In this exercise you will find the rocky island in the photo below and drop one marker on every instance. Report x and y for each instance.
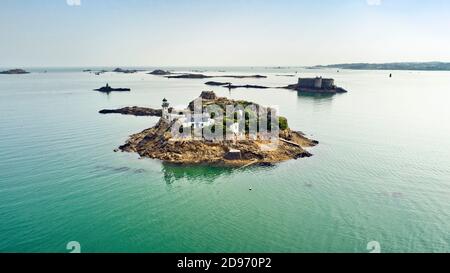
(214, 83)
(316, 85)
(202, 76)
(229, 85)
(180, 137)
(135, 111)
(109, 89)
(14, 72)
(160, 72)
(125, 71)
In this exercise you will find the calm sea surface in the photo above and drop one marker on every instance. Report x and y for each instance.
(381, 171)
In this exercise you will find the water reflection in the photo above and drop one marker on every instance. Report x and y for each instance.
(174, 172)
(204, 173)
(317, 96)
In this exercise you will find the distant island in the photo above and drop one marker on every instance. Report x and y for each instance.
(180, 146)
(232, 86)
(160, 72)
(202, 76)
(109, 89)
(14, 72)
(420, 66)
(126, 71)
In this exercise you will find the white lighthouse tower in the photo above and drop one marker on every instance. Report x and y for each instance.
(165, 110)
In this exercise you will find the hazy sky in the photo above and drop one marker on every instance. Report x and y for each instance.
(221, 32)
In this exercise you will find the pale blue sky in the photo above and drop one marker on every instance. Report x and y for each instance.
(221, 32)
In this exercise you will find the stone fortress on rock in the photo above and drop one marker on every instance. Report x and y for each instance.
(317, 85)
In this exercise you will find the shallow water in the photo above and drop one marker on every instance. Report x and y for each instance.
(381, 171)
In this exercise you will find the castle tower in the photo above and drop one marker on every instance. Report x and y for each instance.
(165, 110)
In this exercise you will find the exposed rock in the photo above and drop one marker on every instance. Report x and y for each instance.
(155, 143)
(14, 72)
(160, 72)
(108, 89)
(231, 86)
(244, 77)
(213, 83)
(98, 72)
(135, 111)
(189, 76)
(208, 95)
(285, 75)
(126, 71)
(316, 85)
(202, 76)
(332, 90)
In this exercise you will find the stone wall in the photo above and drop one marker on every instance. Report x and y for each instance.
(316, 83)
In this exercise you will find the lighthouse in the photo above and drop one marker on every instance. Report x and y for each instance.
(165, 110)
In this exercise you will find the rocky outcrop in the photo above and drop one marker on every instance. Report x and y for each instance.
(158, 143)
(189, 76)
(232, 86)
(208, 95)
(109, 89)
(252, 86)
(333, 90)
(202, 76)
(160, 72)
(135, 111)
(245, 77)
(213, 83)
(14, 72)
(289, 75)
(316, 85)
(126, 71)
(96, 72)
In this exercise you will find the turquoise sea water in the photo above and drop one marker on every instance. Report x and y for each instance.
(381, 171)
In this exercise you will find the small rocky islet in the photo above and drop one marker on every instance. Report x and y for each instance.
(14, 72)
(134, 111)
(229, 85)
(202, 76)
(126, 71)
(160, 72)
(316, 85)
(158, 142)
(108, 89)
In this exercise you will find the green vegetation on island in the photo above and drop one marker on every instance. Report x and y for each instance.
(421, 66)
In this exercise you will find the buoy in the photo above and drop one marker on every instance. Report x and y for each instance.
(250, 189)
